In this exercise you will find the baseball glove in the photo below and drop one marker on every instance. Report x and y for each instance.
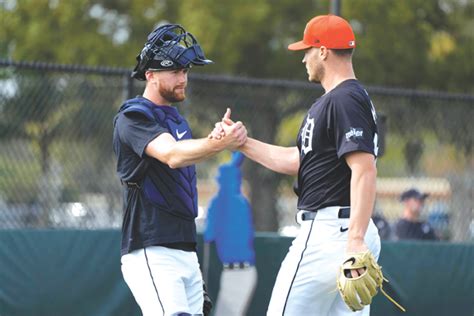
(207, 306)
(359, 291)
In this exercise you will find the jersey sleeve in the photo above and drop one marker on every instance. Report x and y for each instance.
(353, 126)
(137, 131)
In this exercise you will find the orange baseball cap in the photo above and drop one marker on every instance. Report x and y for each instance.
(329, 30)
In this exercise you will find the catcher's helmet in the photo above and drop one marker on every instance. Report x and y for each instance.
(169, 47)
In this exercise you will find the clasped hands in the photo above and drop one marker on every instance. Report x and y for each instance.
(232, 134)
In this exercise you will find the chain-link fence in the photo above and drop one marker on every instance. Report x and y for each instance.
(57, 167)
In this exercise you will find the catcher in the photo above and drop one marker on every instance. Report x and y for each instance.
(156, 157)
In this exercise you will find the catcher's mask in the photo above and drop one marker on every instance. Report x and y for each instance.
(169, 47)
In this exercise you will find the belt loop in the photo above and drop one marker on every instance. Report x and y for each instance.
(344, 212)
(308, 215)
(300, 217)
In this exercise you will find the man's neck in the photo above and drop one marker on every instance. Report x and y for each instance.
(155, 97)
(337, 74)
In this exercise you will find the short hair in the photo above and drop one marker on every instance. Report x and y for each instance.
(343, 52)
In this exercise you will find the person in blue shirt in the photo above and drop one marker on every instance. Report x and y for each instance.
(230, 226)
(156, 157)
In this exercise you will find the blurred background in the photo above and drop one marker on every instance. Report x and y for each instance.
(64, 72)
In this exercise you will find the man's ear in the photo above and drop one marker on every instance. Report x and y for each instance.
(323, 52)
(150, 76)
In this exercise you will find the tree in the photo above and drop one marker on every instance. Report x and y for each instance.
(412, 44)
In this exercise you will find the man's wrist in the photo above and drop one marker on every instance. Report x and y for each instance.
(355, 238)
(215, 145)
(356, 245)
(245, 146)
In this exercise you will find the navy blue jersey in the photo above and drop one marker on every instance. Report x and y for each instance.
(405, 229)
(160, 203)
(339, 122)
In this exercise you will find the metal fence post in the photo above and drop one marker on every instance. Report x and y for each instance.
(128, 87)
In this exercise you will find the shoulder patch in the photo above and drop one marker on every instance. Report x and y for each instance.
(354, 133)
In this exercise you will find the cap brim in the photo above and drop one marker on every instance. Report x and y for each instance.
(298, 46)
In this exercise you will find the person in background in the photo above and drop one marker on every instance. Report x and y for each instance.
(230, 226)
(410, 226)
(383, 226)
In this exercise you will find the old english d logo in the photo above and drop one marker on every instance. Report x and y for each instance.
(307, 136)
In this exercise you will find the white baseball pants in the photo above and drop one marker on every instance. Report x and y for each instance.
(236, 291)
(306, 282)
(164, 281)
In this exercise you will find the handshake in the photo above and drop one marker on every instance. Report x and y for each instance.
(229, 134)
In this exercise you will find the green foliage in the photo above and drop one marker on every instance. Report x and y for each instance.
(408, 43)
(19, 174)
(59, 110)
(91, 32)
(248, 37)
(415, 44)
(289, 129)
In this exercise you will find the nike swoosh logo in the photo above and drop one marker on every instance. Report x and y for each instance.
(343, 229)
(180, 135)
(352, 260)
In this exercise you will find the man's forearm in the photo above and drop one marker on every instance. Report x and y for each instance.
(182, 153)
(279, 159)
(191, 151)
(362, 201)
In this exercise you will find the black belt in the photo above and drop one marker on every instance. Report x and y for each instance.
(344, 212)
(236, 265)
